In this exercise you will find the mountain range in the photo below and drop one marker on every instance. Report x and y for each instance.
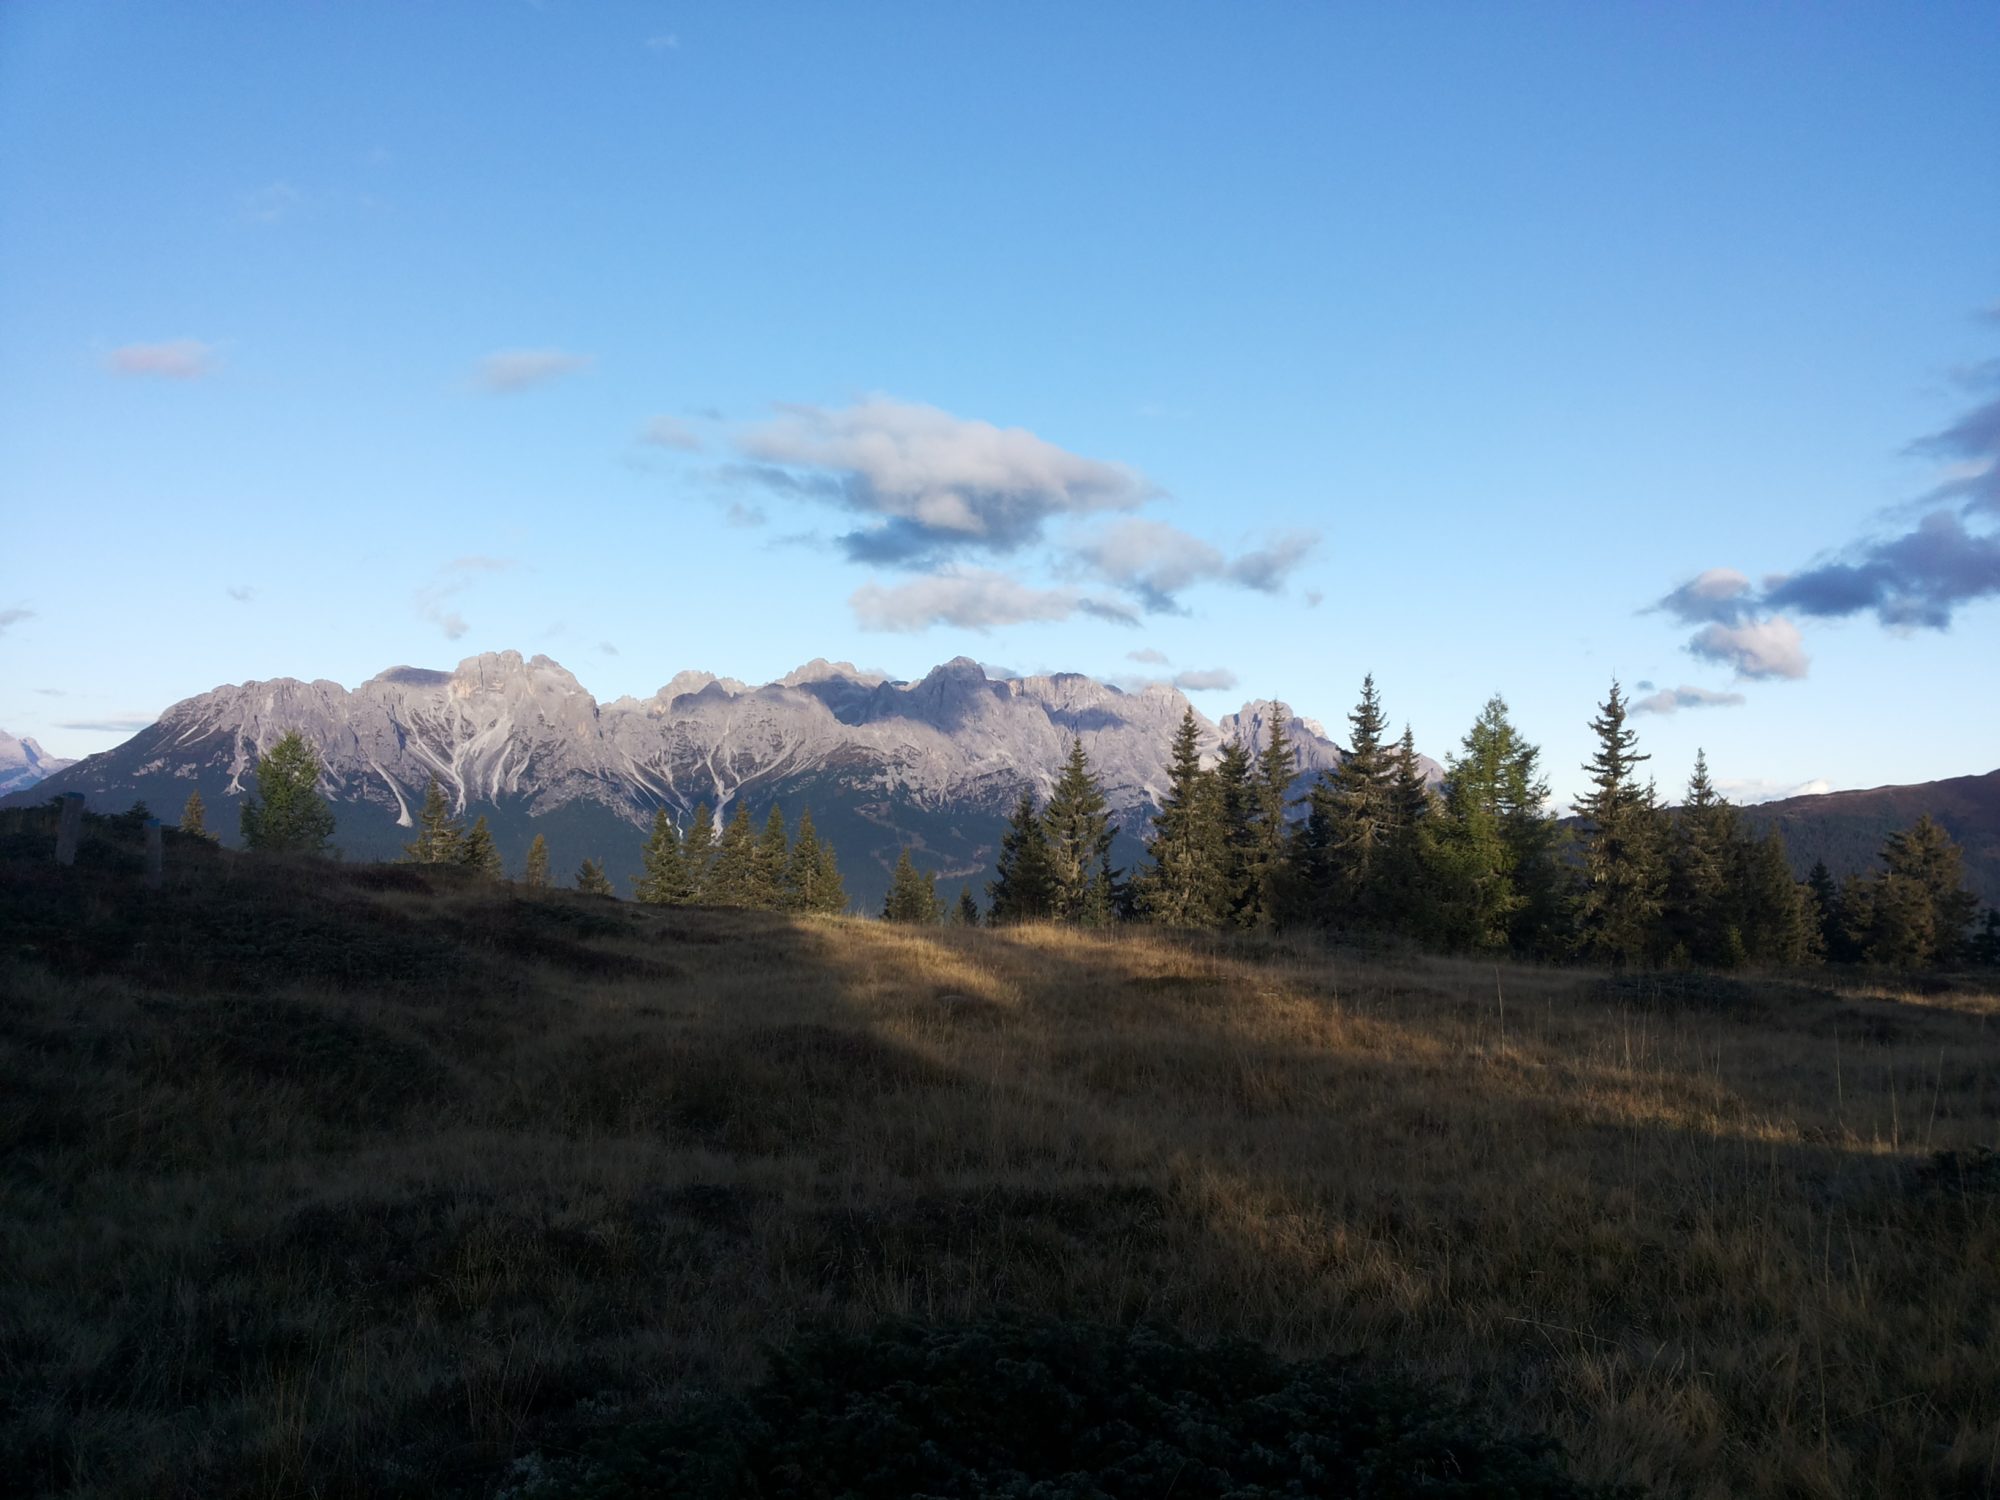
(23, 763)
(933, 764)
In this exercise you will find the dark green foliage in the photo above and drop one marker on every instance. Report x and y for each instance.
(592, 881)
(1497, 842)
(663, 877)
(1082, 886)
(967, 914)
(1775, 912)
(1184, 885)
(1916, 911)
(912, 894)
(1984, 948)
(194, 817)
(1043, 1410)
(1349, 821)
(1829, 913)
(535, 873)
(1703, 897)
(286, 814)
(698, 852)
(476, 852)
(812, 883)
(730, 877)
(1235, 818)
(770, 860)
(1618, 906)
(439, 834)
(1024, 887)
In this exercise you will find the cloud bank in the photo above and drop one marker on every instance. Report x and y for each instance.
(1673, 700)
(973, 599)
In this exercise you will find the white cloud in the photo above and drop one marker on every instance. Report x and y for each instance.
(1672, 700)
(1719, 594)
(509, 370)
(1148, 655)
(970, 599)
(1757, 649)
(935, 484)
(1157, 562)
(1205, 680)
(176, 359)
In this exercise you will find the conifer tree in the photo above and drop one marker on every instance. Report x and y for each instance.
(1774, 911)
(770, 861)
(1618, 907)
(1349, 820)
(1267, 884)
(1407, 895)
(812, 882)
(1829, 913)
(535, 874)
(1023, 889)
(968, 909)
(477, 852)
(1078, 824)
(1984, 948)
(662, 879)
(1497, 863)
(592, 881)
(731, 877)
(439, 834)
(698, 854)
(1709, 872)
(1235, 813)
(1915, 913)
(286, 814)
(1182, 885)
(912, 894)
(194, 817)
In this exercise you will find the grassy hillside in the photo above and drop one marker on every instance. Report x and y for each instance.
(328, 1180)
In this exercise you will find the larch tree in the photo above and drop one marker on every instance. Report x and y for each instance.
(698, 853)
(592, 881)
(286, 814)
(968, 909)
(535, 873)
(731, 877)
(194, 817)
(662, 879)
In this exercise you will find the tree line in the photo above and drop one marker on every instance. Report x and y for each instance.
(1478, 863)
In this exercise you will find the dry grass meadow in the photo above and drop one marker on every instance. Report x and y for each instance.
(446, 1175)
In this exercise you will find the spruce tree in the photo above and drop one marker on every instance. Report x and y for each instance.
(698, 853)
(1618, 906)
(535, 874)
(662, 879)
(912, 894)
(1078, 824)
(1773, 911)
(769, 863)
(1916, 912)
(286, 814)
(1710, 871)
(968, 909)
(731, 878)
(439, 834)
(1984, 948)
(1023, 889)
(1235, 812)
(1406, 884)
(1499, 874)
(1829, 913)
(811, 881)
(592, 881)
(1350, 816)
(194, 817)
(477, 852)
(1266, 879)
(1182, 885)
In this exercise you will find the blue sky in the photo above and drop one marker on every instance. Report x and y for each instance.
(1281, 342)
